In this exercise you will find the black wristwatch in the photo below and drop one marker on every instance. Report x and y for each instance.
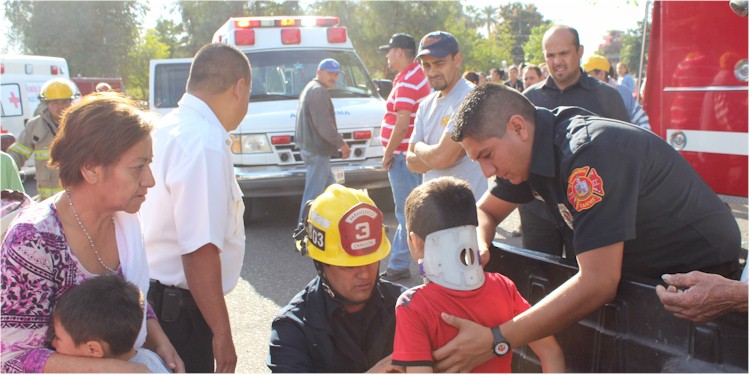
(500, 346)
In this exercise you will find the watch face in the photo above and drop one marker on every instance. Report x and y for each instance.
(501, 348)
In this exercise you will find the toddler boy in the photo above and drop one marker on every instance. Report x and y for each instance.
(441, 219)
(101, 318)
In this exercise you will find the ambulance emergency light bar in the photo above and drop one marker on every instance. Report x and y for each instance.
(290, 33)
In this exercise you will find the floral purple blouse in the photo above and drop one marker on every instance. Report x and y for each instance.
(37, 268)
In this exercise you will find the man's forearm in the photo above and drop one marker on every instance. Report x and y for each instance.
(203, 274)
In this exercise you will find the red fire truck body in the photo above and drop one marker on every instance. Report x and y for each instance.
(696, 92)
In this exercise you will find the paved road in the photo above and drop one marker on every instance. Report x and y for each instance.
(273, 272)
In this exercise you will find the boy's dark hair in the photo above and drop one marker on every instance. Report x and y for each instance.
(438, 204)
(486, 110)
(106, 308)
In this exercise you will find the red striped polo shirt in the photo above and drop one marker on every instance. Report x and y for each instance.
(409, 88)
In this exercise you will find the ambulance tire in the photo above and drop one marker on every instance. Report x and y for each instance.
(383, 198)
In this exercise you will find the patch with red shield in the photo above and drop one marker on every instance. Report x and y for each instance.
(585, 188)
(361, 230)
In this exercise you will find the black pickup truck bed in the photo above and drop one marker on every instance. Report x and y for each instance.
(633, 333)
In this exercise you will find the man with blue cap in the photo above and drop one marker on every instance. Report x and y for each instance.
(316, 133)
(431, 149)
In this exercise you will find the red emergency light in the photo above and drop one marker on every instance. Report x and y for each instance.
(2, 68)
(54, 70)
(362, 135)
(246, 24)
(281, 139)
(337, 35)
(291, 36)
(244, 37)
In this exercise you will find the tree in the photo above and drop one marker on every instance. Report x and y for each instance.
(611, 46)
(92, 36)
(489, 18)
(200, 19)
(631, 47)
(521, 18)
(533, 48)
(136, 73)
(172, 36)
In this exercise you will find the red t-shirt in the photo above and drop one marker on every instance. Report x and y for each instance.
(420, 330)
(409, 88)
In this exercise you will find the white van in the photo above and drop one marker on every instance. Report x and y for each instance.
(284, 54)
(21, 78)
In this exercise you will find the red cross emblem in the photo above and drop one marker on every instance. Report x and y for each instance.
(14, 99)
(585, 188)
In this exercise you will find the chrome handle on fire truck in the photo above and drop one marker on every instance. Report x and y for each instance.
(740, 69)
(739, 7)
(678, 140)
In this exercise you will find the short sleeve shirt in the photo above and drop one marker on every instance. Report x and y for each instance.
(435, 117)
(196, 199)
(605, 182)
(410, 87)
(420, 330)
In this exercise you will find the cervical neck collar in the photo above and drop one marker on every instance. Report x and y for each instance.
(451, 258)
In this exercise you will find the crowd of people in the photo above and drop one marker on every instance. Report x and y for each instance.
(98, 278)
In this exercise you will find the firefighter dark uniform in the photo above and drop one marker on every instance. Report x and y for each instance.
(323, 329)
(35, 139)
(606, 181)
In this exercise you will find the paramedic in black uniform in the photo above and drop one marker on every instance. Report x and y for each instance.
(630, 204)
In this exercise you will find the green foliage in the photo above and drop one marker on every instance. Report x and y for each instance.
(631, 47)
(200, 19)
(136, 73)
(92, 36)
(532, 49)
(521, 20)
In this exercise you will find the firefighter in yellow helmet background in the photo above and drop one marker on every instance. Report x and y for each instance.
(344, 320)
(57, 95)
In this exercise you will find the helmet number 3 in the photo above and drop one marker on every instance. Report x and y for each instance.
(363, 231)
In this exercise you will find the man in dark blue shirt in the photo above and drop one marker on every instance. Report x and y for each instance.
(566, 85)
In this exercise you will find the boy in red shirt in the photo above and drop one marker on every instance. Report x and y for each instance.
(441, 219)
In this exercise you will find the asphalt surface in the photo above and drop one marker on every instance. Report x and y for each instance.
(273, 271)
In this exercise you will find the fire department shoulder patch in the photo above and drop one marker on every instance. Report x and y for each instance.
(585, 188)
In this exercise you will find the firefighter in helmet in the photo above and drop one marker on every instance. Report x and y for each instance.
(344, 319)
(57, 95)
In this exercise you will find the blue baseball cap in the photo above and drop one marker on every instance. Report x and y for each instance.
(329, 65)
(438, 44)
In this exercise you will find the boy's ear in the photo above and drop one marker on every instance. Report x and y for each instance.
(417, 245)
(95, 349)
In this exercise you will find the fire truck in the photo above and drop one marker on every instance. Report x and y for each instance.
(284, 54)
(697, 88)
(696, 95)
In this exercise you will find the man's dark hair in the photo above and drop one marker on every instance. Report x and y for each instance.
(410, 53)
(438, 204)
(105, 308)
(485, 112)
(472, 77)
(536, 69)
(216, 67)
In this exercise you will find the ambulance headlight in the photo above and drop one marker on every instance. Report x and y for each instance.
(250, 143)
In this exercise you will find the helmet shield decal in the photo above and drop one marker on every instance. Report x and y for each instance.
(361, 230)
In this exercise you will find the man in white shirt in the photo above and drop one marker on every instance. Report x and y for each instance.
(193, 226)
(431, 149)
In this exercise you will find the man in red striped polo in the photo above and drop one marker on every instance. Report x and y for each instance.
(409, 88)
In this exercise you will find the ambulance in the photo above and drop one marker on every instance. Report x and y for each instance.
(21, 78)
(284, 54)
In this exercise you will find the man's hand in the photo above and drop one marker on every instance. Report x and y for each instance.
(469, 349)
(701, 297)
(345, 151)
(387, 161)
(226, 357)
